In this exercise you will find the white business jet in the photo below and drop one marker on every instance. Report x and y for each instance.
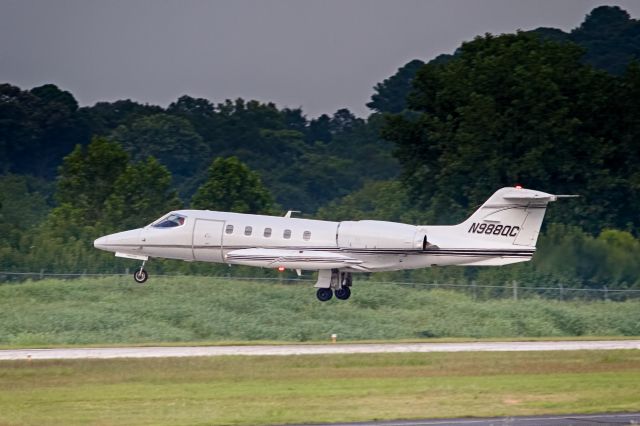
(503, 230)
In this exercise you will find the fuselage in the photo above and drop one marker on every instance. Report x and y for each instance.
(294, 243)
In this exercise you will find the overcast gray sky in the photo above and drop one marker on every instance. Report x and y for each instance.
(320, 55)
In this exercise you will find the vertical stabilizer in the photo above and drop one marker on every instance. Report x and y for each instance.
(510, 215)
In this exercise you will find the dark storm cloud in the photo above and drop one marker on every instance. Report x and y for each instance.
(320, 55)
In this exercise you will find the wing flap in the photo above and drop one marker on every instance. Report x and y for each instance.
(292, 259)
(497, 261)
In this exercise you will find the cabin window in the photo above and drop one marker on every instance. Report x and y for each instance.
(267, 232)
(287, 234)
(229, 229)
(170, 221)
(306, 236)
(248, 230)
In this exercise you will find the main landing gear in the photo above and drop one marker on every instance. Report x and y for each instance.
(324, 294)
(333, 282)
(343, 293)
(140, 275)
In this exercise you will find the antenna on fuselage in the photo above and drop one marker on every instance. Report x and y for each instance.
(288, 214)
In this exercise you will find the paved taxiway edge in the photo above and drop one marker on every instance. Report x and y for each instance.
(263, 350)
(548, 420)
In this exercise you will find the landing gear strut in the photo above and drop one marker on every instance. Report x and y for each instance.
(140, 276)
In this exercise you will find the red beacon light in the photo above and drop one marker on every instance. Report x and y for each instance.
(518, 186)
(281, 268)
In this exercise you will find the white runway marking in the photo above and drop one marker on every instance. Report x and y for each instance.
(354, 348)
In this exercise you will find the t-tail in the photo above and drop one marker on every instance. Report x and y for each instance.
(505, 228)
(512, 215)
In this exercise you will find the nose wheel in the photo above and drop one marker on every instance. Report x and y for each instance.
(140, 276)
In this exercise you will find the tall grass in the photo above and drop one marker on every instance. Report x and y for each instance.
(186, 309)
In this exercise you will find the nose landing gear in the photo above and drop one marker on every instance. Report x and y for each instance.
(140, 275)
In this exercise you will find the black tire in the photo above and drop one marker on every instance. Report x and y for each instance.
(140, 276)
(343, 293)
(324, 294)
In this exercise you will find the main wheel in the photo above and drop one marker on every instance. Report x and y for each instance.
(343, 293)
(324, 294)
(140, 276)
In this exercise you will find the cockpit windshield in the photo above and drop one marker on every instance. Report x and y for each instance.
(170, 221)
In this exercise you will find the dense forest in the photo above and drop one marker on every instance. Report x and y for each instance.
(554, 111)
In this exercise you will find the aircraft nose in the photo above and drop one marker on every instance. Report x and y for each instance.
(119, 242)
(101, 243)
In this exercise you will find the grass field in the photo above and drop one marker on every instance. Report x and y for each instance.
(117, 311)
(279, 390)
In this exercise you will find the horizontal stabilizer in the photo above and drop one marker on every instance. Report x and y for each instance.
(528, 195)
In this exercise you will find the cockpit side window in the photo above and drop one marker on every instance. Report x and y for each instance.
(171, 221)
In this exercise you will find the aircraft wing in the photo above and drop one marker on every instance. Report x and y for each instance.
(292, 259)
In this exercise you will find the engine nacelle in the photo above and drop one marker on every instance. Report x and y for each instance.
(376, 234)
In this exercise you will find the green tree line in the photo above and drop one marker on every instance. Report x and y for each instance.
(526, 108)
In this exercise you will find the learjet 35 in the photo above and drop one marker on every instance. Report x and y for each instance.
(503, 230)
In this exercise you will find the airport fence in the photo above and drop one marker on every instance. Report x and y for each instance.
(476, 290)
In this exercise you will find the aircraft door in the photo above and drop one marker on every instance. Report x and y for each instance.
(207, 240)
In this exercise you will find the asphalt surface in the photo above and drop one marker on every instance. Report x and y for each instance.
(554, 420)
(184, 351)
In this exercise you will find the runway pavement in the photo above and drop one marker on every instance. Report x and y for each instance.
(553, 420)
(316, 349)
